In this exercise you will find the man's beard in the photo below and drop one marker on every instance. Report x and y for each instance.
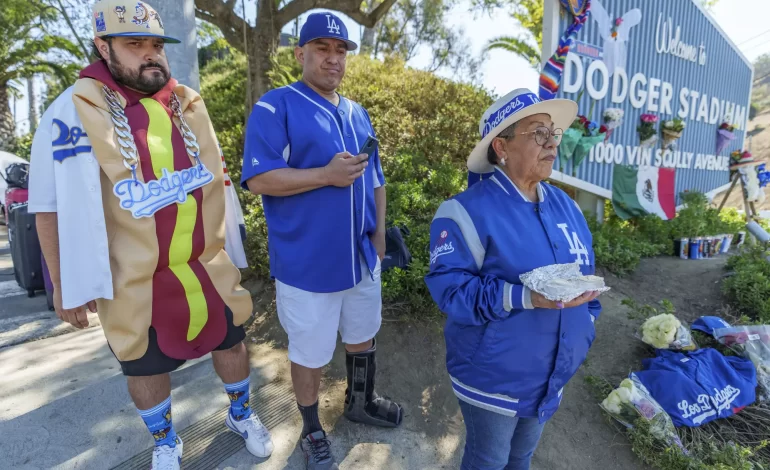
(136, 79)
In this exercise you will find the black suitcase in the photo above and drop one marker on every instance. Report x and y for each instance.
(25, 250)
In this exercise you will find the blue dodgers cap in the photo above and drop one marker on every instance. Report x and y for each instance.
(325, 25)
(708, 324)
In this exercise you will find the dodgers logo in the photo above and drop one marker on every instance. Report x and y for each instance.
(707, 406)
(145, 199)
(100, 24)
(503, 113)
(442, 247)
(68, 137)
(576, 247)
(331, 23)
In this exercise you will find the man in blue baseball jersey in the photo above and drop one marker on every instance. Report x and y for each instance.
(324, 203)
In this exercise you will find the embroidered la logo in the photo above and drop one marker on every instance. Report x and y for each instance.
(442, 247)
(145, 199)
(576, 247)
(331, 23)
(68, 138)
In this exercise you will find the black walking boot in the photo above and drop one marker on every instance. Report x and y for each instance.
(362, 404)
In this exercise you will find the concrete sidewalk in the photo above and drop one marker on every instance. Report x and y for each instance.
(64, 405)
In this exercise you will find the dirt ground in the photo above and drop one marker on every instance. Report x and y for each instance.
(411, 369)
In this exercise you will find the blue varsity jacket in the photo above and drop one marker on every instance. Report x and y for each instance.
(503, 355)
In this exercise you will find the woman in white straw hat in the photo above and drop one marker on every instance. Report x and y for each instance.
(510, 352)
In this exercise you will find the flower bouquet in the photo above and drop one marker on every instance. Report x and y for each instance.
(665, 331)
(672, 130)
(647, 133)
(738, 158)
(753, 343)
(593, 135)
(613, 118)
(632, 401)
(570, 139)
(724, 136)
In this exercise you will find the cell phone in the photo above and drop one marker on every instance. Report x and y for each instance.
(369, 146)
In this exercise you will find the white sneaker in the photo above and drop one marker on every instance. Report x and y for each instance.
(167, 457)
(256, 435)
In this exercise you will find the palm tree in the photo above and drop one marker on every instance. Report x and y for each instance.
(25, 50)
(529, 15)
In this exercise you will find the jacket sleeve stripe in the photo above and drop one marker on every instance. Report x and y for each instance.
(453, 210)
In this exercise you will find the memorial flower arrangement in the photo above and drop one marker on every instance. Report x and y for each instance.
(646, 129)
(632, 401)
(578, 140)
(725, 135)
(672, 130)
(613, 118)
(753, 343)
(665, 331)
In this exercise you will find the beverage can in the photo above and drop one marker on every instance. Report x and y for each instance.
(684, 248)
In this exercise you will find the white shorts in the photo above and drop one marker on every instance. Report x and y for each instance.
(312, 319)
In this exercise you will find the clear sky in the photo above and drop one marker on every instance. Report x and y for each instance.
(744, 21)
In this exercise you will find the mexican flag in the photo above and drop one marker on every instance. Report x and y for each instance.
(643, 190)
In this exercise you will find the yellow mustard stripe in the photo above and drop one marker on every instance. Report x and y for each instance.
(180, 251)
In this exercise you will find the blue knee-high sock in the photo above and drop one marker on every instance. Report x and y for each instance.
(158, 421)
(238, 393)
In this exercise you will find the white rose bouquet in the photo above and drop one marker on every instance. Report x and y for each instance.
(665, 331)
(632, 401)
(613, 118)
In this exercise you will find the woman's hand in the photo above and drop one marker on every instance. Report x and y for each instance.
(538, 301)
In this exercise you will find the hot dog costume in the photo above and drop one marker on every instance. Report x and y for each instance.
(160, 222)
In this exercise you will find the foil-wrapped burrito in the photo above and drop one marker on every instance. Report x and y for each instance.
(562, 282)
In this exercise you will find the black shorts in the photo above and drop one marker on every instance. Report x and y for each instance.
(154, 362)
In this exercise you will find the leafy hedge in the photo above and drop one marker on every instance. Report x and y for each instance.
(748, 288)
(426, 126)
(620, 245)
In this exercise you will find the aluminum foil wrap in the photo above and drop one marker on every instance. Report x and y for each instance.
(562, 282)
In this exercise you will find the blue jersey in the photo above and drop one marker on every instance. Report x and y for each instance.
(503, 355)
(316, 238)
(701, 386)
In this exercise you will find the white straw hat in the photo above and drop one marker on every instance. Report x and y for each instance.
(511, 108)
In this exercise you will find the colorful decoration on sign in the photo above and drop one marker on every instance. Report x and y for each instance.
(576, 7)
(613, 118)
(615, 34)
(725, 135)
(648, 135)
(672, 130)
(550, 78)
(579, 139)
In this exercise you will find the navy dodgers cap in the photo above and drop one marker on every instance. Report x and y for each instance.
(325, 25)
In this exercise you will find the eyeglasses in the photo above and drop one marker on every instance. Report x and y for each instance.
(542, 135)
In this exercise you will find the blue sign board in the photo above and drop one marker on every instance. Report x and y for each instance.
(666, 58)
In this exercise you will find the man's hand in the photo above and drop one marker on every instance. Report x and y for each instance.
(345, 168)
(76, 317)
(538, 301)
(378, 240)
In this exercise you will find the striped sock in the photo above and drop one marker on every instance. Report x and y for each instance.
(239, 399)
(158, 421)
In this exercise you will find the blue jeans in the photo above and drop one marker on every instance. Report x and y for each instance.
(497, 442)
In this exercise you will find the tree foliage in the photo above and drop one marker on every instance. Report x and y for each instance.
(27, 49)
(426, 125)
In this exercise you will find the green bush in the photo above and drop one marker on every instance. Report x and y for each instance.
(748, 289)
(620, 245)
(426, 125)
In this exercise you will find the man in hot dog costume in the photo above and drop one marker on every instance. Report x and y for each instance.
(136, 216)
